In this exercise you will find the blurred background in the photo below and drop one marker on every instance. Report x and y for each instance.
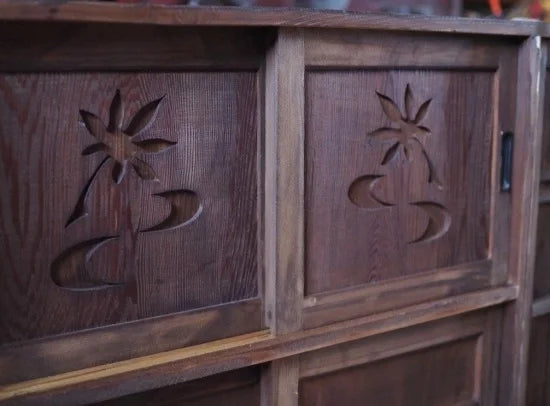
(538, 9)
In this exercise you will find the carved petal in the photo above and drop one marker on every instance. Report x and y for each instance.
(144, 117)
(154, 144)
(389, 107)
(385, 134)
(438, 224)
(390, 153)
(408, 102)
(93, 124)
(92, 149)
(422, 111)
(361, 192)
(143, 169)
(119, 170)
(116, 112)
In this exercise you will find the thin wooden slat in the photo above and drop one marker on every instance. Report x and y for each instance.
(367, 299)
(118, 379)
(352, 49)
(284, 225)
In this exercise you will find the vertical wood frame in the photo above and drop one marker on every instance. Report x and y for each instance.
(526, 175)
(284, 206)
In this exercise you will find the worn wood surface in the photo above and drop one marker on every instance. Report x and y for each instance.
(126, 377)
(231, 16)
(538, 388)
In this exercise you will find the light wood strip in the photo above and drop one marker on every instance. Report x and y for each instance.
(118, 379)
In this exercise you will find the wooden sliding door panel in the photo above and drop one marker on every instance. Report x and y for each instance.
(403, 198)
(538, 376)
(126, 196)
(444, 363)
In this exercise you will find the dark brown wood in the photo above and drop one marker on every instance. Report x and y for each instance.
(101, 383)
(235, 388)
(231, 16)
(538, 389)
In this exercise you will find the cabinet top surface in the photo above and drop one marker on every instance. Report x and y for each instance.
(254, 17)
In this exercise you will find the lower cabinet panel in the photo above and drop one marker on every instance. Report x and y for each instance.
(439, 364)
(538, 378)
(235, 388)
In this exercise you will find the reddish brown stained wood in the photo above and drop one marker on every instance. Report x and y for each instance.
(159, 370)
(235, 388)
(30, 47)
(230, 16)
(58, 354)
(209, 121)
(526, 176)
(442, 375)
(538, 389)
(367, 299)
(350, 241)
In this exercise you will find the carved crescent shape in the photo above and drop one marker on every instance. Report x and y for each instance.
(74, 261)
(361, 193)
(185, 208)
(439, 221)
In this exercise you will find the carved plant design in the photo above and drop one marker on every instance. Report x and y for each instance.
(409, 130)
(402, 141)
(71, 269)
(120, 145)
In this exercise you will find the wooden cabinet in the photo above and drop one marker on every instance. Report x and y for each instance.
(203, 206)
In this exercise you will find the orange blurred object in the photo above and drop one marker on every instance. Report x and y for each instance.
(496, 7)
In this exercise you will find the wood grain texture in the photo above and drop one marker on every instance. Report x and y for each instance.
(80, 11)
(538, 378)
(210, 118)
(348, 245)
(352, 48)
(541, 286)
(421, 378)
(284, 202)
(29, 47)
(168, 368)
(235, 388)
(367, 299)
(39, 358)
(526, 177)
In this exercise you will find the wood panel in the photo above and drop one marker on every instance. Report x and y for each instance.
(236, 388)
(97, 229)
(538, 378)
(448, 362)
(365, 187)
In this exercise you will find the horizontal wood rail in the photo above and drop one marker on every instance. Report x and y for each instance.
(171, 367)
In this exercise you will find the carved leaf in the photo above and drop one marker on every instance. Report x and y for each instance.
(80, 207)
(119, 170)
(116, 112)
(408, 102)
(390, 153)
(185, 207)
(92, 149)
(422, 111)
(389, 107)
(154, 145)
(144, 117)
(143, 169)
(93, 124)
(384, 134)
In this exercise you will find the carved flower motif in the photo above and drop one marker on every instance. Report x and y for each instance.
(408, 132)
(120, 144)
